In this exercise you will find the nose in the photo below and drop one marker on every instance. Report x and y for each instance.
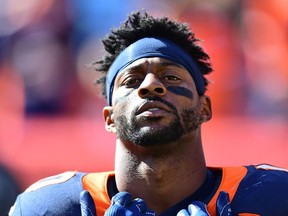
(151, 85)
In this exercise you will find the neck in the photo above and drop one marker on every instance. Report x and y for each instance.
(163, 175)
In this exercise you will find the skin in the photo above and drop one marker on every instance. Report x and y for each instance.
(160, 172)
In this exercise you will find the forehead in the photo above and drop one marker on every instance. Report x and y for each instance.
(151, 60)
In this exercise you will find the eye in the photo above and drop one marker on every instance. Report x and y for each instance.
(171, 78)
(130, 81)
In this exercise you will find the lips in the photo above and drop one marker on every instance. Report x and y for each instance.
(153, 108)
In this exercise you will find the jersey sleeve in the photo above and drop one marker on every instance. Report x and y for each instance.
(263, 191)
(56, 195)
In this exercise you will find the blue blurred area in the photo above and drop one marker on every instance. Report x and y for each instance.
(9, 189)
(95, 18)
(43, 50)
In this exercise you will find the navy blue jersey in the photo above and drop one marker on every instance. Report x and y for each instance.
(253, 190)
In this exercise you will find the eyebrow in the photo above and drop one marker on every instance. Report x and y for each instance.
(161, 64)
(133, 68)
(170, 63)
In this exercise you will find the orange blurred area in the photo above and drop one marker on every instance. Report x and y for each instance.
(39, 147)
(51, 113)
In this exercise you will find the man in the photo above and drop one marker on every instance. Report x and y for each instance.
(154, 82)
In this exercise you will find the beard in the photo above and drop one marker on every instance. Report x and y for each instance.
(130, 132)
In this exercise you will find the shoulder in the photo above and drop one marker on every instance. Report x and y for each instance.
(267, 177)
(51, 196)
(263, 190)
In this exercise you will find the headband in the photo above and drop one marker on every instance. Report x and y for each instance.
(153, 47)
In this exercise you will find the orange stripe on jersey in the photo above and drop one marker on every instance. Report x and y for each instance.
(96, 184)
(231, 178)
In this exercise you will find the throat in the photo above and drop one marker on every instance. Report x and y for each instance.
(160, 179)
(162, 187)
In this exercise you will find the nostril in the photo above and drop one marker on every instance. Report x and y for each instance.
(159, 90)
(144, 91)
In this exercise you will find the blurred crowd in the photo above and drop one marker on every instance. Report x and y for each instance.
(47, 49)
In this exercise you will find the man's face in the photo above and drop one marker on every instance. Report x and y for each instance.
(154, 102)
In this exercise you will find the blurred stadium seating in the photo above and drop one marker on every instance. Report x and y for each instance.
(50, 112)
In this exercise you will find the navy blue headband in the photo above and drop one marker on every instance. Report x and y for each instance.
(153, 47)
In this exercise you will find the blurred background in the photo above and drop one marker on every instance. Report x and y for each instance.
(51, 113)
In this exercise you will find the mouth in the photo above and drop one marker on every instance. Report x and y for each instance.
(153, 109)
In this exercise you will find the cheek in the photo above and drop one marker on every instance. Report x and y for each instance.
(121, 96)
(123, 104)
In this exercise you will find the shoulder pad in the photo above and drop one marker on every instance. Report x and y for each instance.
(55, 195)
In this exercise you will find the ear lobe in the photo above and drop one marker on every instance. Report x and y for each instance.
(206, 111)
(109, 119)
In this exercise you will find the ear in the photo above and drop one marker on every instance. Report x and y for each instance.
(109, 119)
(206, 110)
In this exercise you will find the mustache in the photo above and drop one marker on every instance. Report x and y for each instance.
(159, 99)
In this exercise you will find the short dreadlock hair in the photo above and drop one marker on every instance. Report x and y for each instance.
(139, 25)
